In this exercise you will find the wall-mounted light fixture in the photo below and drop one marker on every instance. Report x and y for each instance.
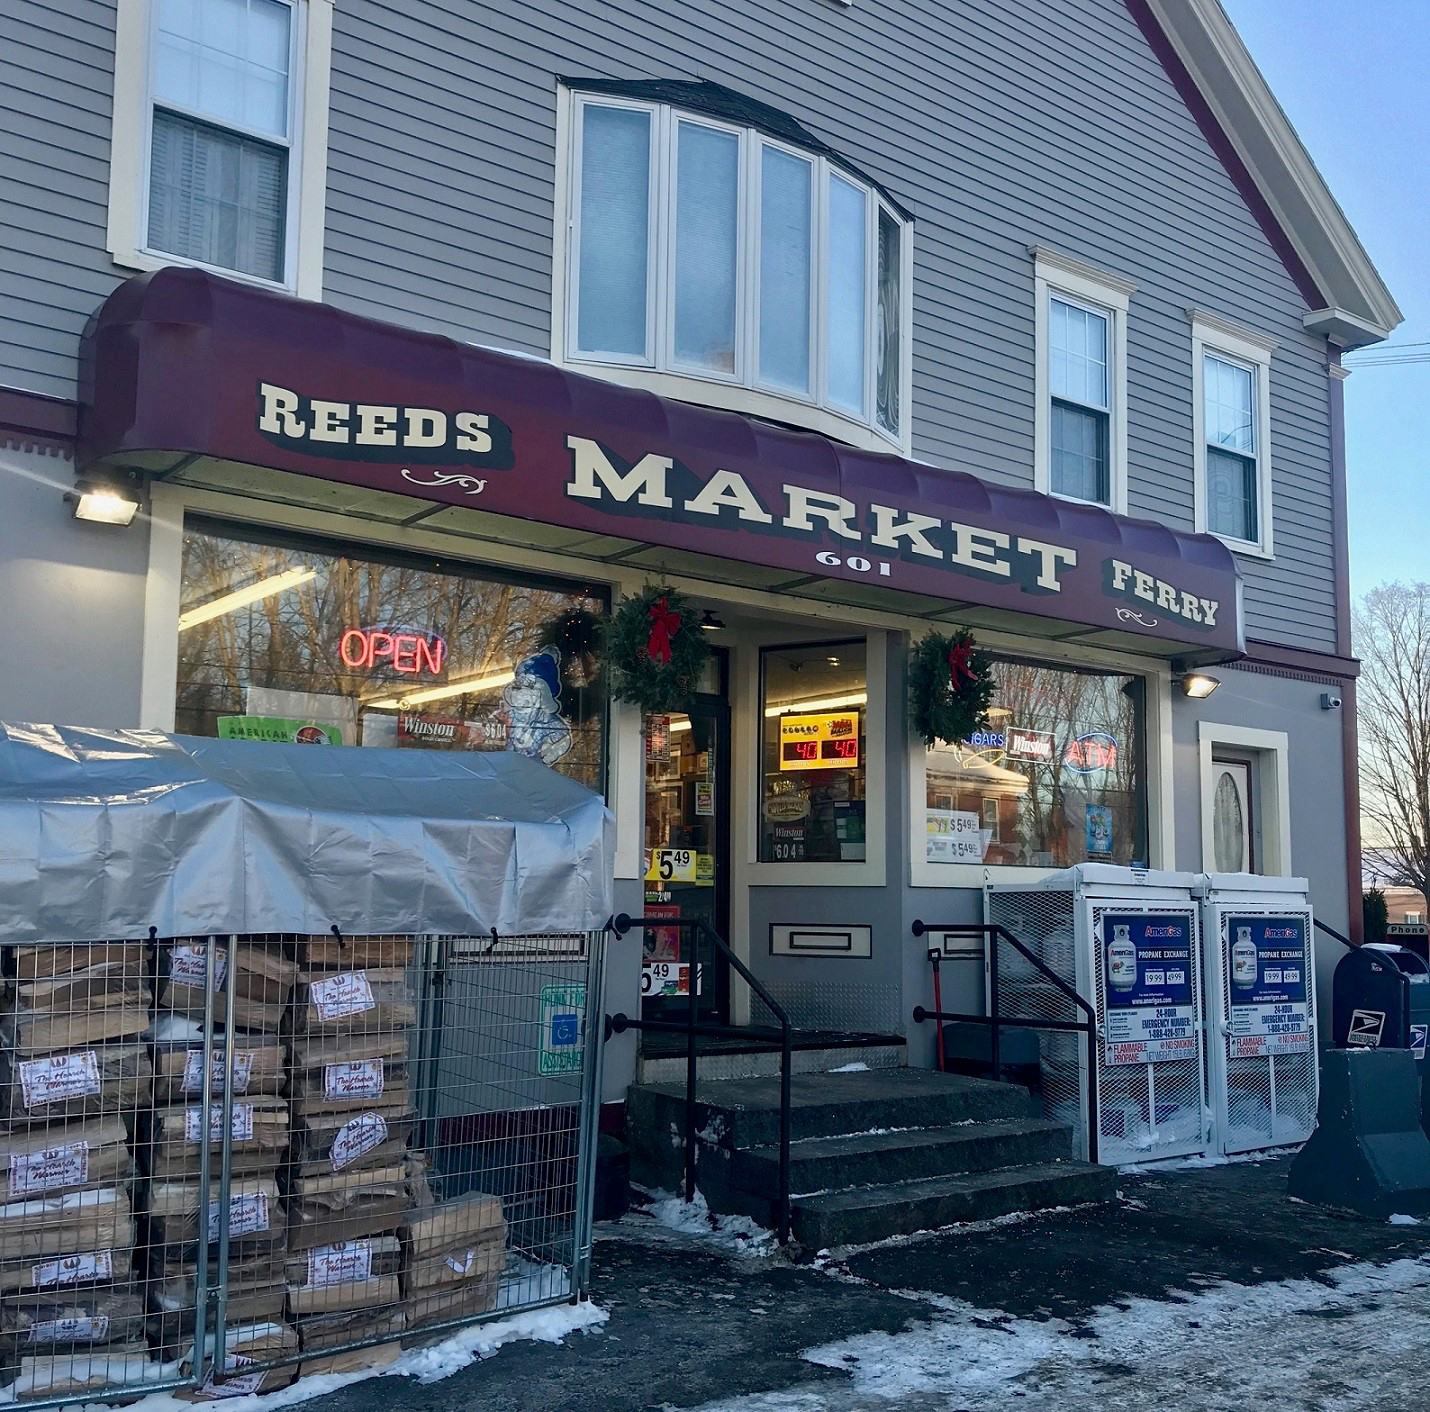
(104, 502)
(1197, 686)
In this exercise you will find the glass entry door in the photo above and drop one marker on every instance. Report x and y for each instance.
(687, 875)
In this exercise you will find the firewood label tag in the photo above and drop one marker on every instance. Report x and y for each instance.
(462, 1266)
(240, 1129)
(194, 1072)
(72, 1269)
(60, 1077)
(359, 1135)
(49, 1168)
(247, 1215)
(343, 995)
(342, 1263)
(76, 1330)
(362, 1078)
(189, 965)
(242, 1386)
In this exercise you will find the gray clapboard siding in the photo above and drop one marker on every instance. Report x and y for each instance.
(999, 125)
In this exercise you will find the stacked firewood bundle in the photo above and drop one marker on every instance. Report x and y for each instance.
(74, 1080)
(128, 1073)
(349, 1179)
(248, 1059)
(452, 1259)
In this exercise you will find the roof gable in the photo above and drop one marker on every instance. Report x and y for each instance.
(1246, 127)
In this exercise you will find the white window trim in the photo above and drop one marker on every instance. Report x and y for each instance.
(308, 152)
(1214, 335)
(1270, 754)
(1056, 275)
(1161, 834)
(740, 393)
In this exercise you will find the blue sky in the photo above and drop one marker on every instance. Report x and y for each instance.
(1352, 77)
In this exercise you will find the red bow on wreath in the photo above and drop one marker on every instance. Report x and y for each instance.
(664, 624)
(958, 656)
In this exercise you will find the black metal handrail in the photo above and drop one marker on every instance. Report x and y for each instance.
(992, 931)
(1334, 934)
(780, 1035)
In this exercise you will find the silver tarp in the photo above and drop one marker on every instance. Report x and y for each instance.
(104, 834)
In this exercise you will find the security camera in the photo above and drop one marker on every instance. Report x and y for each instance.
(1330, 701)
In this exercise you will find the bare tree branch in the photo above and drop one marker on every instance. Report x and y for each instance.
(1392, 636)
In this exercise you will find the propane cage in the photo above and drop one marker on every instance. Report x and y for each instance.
(1259, 939)
(1148, 1061)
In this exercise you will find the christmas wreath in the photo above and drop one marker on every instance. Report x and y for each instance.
(654, 649)
(576, 633)
(950, 687)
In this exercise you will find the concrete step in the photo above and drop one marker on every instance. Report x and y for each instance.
(745, 1113)
(670, 1069)
(819, 1164)
(860, 1215)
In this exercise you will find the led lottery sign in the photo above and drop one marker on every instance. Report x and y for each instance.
(411, 653)
(820, 742)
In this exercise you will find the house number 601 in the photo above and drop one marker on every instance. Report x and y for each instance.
(857, 562)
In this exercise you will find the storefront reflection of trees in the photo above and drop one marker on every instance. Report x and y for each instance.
(292, 640)
(1041, 805)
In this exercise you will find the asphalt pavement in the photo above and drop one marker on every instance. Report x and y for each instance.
(1198, 1288)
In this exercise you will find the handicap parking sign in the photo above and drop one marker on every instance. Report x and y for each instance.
(563, 1029)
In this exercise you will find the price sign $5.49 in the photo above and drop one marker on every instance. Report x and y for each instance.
(672, 865)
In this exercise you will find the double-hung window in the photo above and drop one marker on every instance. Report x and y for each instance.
(1080, 413)
(221, 133)
(702, 250)
(1080, 450)
(216, 113)
(1231, 381)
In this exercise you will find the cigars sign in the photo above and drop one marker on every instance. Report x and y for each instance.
(863, 537)
(188, 365)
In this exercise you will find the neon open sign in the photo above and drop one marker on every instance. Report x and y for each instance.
(410, 653)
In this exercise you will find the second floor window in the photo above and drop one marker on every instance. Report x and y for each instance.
(222, 105)
(1080, 419)
(708, 250)
(1229, 394)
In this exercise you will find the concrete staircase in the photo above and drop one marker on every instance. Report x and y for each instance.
(873, 1154)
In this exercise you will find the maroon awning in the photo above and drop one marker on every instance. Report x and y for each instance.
(182, 361)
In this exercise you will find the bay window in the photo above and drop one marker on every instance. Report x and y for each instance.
(700, 248)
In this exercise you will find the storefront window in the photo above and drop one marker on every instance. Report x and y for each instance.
(813, 705)
(290, 642)
(1056, 779)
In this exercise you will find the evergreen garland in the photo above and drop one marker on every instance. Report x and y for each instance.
(654, 649)
(950, 687)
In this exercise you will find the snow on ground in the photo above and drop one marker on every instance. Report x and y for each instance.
(426, 1365)
(736, 1235)
(1197, 1164)
(1329, 1345)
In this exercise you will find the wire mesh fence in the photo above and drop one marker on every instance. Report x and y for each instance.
(228, 1162)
